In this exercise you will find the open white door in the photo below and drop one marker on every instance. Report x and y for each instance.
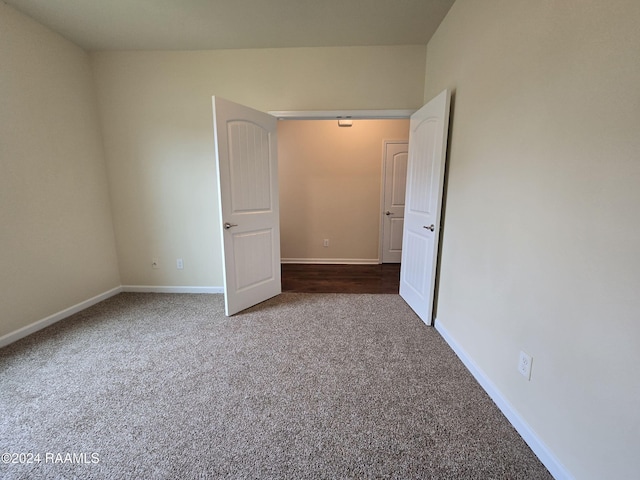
(428, 132)
(246, 156)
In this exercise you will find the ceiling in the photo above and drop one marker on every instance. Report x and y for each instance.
(222, 24)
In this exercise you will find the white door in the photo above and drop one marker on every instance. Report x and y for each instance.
(427, 153)
(395, 182)
(246, 156)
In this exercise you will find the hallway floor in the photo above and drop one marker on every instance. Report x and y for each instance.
(305, 278)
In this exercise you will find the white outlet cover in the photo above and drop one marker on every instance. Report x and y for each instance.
(524, 365)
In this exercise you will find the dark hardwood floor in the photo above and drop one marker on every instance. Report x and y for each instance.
(384, 278)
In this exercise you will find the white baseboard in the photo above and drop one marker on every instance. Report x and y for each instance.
(163, 289)
(56, 317)
(67, 312)
(332, 261)
(555, 467)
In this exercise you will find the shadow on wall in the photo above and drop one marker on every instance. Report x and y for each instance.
(443, 215)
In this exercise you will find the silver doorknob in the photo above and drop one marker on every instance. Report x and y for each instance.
(431, 227)
(388, 213)
(228, 225)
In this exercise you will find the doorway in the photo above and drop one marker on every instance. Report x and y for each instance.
(429, 131)
(331, 189)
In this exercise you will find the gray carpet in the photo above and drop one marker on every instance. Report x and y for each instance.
(302, 386)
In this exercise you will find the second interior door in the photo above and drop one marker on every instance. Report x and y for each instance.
(395, 181)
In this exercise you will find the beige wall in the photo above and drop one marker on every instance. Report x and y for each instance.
(57, 236)
(541, 238)
(330, 181)
(156, 115)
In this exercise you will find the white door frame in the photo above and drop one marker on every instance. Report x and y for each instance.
(336, 114)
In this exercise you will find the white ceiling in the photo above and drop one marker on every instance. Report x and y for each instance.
(219, 24)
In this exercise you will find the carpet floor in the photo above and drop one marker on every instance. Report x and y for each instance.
(301, 386)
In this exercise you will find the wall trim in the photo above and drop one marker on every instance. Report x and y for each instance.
(540, 449)
(170, 289)
(56, 317)
(27, 330)
(332, 261)
(334, 114)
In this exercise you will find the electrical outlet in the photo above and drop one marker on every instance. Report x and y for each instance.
(524, 365)
(179, 264)
(326, 242)
(155, 263)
